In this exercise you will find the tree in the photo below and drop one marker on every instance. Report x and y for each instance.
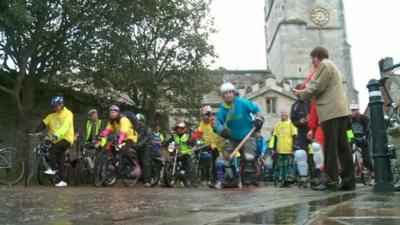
(148, 52)
(153, 54)
(38, 39)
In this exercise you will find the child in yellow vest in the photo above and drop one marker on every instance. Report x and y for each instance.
(283, 135)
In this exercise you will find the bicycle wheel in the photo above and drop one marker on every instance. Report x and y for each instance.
(366, 178)
(69, 169)
(197, 171)
(395, 171)
(12, 167)
(109, 175)
(169, 179)
(130, 180)
(155, 173)
(44, 179)
(82, 175)
(155, 177)
(98, 172)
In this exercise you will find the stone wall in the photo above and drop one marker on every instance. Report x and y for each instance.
(257, 89)
(291, 35)
(271, 89)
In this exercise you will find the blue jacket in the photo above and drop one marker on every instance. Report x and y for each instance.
(261, 147)
(237, 117)
(156, 137)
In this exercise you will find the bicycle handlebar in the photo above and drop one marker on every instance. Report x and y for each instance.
(40, 134)
(382, 81)
(37, 134)
(360, 139)
(391, 68)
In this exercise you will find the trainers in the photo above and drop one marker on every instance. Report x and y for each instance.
(325, 187)
(49, 171)
(61, 184)
(217, 185)
(147, 185)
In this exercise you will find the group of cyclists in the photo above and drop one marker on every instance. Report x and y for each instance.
(295, 147)
(220, 134)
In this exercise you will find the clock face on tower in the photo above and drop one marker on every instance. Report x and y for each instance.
(320, 16)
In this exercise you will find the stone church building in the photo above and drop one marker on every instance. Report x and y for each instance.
(292, 30)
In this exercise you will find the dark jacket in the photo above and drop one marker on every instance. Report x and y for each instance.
(300, 109)
(360, 126)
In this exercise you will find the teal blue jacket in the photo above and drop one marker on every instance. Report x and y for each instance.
(238, 117)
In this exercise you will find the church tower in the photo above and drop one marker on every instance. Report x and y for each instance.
(294, 27)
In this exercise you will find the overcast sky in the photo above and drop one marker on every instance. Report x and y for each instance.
(372, 31)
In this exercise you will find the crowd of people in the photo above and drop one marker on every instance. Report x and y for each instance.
(310, 140)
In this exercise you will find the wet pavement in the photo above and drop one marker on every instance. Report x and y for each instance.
(367, 208)
(265, 205)
(294, 214)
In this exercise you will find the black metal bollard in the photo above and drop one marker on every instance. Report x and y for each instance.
(383, 173)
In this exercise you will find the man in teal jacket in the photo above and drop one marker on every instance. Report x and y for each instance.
(234, 120)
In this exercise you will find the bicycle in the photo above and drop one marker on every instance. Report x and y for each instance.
(360, 169)
(392, 124)
(157, 164)
(42, 153)
(392, 121)
(12, 166)
(173, 170)
(201, 160)
(85, 165)
(114, 163)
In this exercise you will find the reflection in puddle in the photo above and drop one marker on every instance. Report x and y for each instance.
(294, 214)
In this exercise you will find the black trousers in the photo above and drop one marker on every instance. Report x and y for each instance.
(336, 148)
(366, 157)
(311, 166)
(57, 156)
(188, 167)
(214, 156)
(145, 163)
(209, 165)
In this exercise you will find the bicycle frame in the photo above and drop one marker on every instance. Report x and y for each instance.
(175, 158)
(116, 156)
(12, 165)
(175, 161)
(42, 151)
(87, 154)
(7, 162)
(357, 158)
(393, 114)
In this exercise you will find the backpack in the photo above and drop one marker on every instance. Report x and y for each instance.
(300, 109)
(136, 123)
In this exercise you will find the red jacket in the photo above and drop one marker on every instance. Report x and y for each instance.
(313, 124)
(313, 121)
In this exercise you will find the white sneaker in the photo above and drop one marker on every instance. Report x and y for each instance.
(61, 184)
(49, 171)
(217, 185)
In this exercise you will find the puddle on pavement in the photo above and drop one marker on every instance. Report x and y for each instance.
(294, 214)
(378, 197)
(369, 206)
(369, 221)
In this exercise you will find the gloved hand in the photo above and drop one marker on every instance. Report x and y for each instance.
(53, 138)
(225, 133)
(258, 122)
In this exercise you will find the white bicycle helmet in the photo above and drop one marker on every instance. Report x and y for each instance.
(354, 105)
(227, 87)
(205, 109)
(90, 112)
(140, 117)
